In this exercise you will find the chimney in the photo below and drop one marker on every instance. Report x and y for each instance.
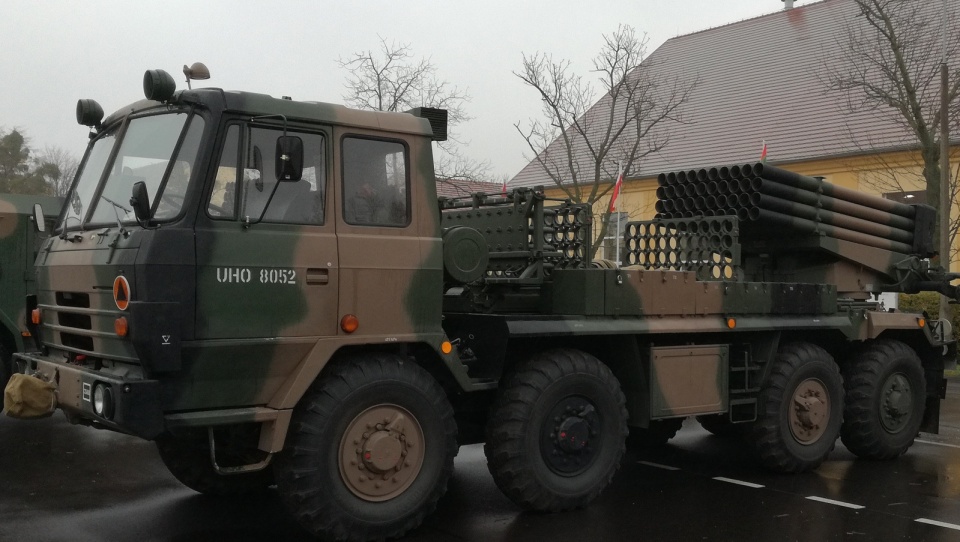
(787, 4)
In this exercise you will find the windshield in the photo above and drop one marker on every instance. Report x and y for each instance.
(89, 177)
(144, 155)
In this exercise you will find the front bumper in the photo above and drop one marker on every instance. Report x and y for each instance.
(136, 404)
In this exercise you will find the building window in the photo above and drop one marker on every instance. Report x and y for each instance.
(613, 243)
(916, 197)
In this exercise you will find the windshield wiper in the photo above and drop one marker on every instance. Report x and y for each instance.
(115, 207)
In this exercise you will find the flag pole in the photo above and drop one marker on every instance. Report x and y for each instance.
(613, 206)
(616, 193)
(618, 239)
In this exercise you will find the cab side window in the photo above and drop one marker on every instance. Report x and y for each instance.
(376, 185)
(246, 186)
(224, 196)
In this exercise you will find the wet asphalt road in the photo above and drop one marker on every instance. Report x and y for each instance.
(65, 483)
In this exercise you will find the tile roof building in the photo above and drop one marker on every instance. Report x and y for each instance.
(758, 80)
(456, 188)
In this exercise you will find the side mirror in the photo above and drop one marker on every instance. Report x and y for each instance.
(289, 158)
(38, 221)
(140, 201)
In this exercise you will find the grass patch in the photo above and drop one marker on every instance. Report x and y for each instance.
(952, 374)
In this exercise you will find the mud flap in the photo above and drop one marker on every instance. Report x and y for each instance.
(931, 412)
(27, 397)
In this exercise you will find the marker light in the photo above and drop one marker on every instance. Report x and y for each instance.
(35, 317)
(921, 322)
(197, 71)
(349, 323)
(731, 323)
(120, 326)
(446, 347)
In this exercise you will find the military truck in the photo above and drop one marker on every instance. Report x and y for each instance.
(271, 291)
(19, 242)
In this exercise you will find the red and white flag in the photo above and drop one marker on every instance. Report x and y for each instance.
(763, 153)
(616, 189)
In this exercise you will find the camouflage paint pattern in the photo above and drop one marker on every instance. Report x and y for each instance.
(19, 241)
(211, 345)
(247, 346)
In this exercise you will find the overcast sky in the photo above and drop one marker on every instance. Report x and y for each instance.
(55, 52)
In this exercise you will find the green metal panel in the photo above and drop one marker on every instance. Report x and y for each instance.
(576, 291)
(688, 380)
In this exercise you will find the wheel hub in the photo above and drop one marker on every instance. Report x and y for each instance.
(573, 434)
(896, 403)
(810, 411)
(381, 452)
(568, 434)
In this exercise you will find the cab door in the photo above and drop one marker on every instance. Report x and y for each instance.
(267, 262)
(390, 276)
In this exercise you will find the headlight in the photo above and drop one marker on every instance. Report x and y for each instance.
(103, 401)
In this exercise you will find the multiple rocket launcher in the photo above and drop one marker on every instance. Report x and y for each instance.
(715, 221)
(763, 196)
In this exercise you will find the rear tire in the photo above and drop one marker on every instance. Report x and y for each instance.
(800, 409)
(885, 399)
(369, 451)
(556, 433)
(188, 460)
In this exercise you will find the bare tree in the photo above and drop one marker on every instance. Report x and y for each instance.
(62, 166)
(580, 143)
(393, 79)
(888, 64)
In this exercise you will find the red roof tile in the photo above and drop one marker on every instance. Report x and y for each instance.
(454, 188)
(758, 81)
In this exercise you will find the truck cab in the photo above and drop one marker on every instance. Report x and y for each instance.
(236, 279)
(20, 240)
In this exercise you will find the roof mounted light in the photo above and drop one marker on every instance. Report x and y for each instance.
(158, 85)
(197, 72)
(89, 113)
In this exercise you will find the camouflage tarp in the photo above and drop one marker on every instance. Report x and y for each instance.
(28, 397)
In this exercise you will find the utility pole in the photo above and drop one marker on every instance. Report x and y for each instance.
(944, 168)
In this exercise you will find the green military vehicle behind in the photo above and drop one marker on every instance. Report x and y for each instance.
(272, 292)
(19, 242)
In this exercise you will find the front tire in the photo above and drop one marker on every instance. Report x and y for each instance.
(800, 409)
(885, 395)
(556, 433)
(369, 451)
